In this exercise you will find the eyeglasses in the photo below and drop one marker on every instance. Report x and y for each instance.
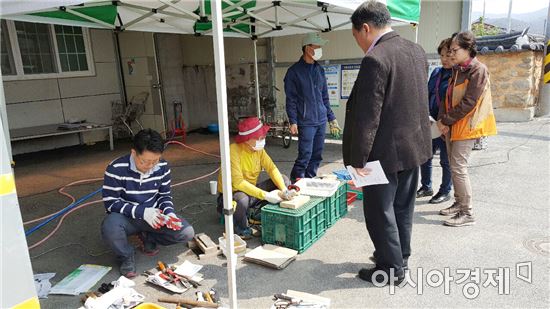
(148, 162)
(454, 50)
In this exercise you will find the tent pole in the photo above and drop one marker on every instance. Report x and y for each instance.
(4, 120)
(416, 34)
(257, 81)
(221, 94)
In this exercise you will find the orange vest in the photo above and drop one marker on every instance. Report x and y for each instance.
(480, 121)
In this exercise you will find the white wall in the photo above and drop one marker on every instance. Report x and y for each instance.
(51, 101)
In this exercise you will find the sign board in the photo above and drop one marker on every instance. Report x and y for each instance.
(349, 75)
(332, 73)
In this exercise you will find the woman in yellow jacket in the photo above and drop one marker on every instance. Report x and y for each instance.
(248, 159)
(468, 115)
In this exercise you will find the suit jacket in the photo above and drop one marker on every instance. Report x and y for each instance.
(386, 114)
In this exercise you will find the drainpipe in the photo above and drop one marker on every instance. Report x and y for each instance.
(120, 68)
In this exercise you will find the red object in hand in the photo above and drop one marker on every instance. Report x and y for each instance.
(173, 222)
(294, 187)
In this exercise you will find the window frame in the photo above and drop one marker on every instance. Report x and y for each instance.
(18, 61)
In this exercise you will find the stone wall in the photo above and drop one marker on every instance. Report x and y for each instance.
(515, 83)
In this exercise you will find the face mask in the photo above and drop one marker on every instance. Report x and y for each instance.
(260, 144)
(317, 54)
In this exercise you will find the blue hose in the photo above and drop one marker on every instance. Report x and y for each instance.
(61, 212)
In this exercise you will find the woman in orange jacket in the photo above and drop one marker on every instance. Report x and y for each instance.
(468, 115)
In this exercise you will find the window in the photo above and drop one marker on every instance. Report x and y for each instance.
(8, 66)
(33, 50)
(71, 48)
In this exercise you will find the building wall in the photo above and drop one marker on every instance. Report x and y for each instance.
(56, 100)
(198, 89)
(515, 83)
(137, 50)
(200, 50)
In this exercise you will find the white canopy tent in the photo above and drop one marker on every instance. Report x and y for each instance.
(219, 18)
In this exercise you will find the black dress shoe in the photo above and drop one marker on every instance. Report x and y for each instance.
(424, 192)
(440, 198)
(372, 258)
(368, 275)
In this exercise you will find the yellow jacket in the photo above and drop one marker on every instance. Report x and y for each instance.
(468, 104)
(246, 166)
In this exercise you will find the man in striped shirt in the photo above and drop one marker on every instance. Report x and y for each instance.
(136, 194)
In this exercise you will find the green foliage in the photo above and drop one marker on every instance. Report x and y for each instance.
(480, 29)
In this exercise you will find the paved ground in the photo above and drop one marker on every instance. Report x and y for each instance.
(511, 202)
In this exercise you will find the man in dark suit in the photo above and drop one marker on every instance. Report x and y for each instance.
(387, 120)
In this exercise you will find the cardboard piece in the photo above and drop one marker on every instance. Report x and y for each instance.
(271, 256)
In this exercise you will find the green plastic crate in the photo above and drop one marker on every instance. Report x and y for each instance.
(333, 205)
(296, 229)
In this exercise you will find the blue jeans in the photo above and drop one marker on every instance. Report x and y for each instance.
(311, 141)
(117, 227)
(426, 168)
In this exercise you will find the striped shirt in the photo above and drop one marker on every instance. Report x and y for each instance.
(129, 192)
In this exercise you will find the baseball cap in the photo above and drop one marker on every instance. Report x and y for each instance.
(313, 39)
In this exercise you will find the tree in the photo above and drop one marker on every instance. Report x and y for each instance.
(479, 28)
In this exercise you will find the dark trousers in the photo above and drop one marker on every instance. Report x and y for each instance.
(117, 227)
(245, 201)
(426, 168)
(388, 213)
(311, 141)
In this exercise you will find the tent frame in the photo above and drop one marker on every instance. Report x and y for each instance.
(219, 24)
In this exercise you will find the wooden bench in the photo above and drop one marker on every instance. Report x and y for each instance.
(54, 130)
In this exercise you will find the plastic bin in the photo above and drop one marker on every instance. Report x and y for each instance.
(354, 189)
(352, 196)
(333, 205)
(296, 229)
(240, 245)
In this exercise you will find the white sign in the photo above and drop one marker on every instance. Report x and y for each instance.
(349, 75)
(332, 73)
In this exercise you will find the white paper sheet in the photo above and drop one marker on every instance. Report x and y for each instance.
(188, 269)
(80, 280)
(42, 284)
(376, 176)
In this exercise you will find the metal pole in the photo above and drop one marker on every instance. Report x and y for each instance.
(466, 23)
(18, 291)
(257, 81)
(543, 107)
(221, 93)
(509, 18)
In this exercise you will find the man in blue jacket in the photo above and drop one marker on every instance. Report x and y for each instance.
(308, 107)
(437, 87)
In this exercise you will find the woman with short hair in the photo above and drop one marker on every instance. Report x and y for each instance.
(466, 116)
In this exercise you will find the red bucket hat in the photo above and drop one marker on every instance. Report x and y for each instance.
(250, 128)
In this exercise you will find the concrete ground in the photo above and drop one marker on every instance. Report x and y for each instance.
(511, 201)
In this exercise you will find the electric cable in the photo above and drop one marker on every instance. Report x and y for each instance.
(74, 206)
